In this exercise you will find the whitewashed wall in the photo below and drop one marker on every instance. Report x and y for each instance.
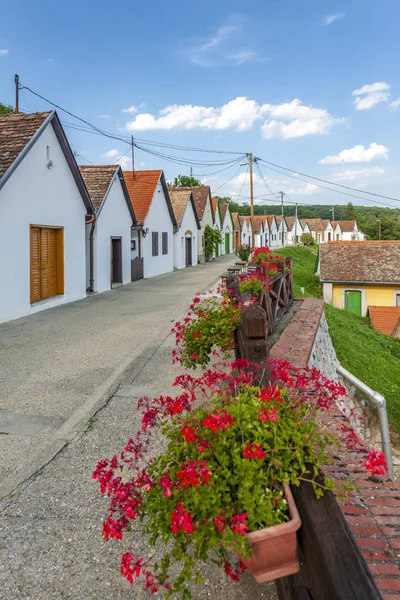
(114, 221)
(188, 224)
(36, 195)
(158, 220)
(227, 227)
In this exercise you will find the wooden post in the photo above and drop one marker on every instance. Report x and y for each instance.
(252, 338)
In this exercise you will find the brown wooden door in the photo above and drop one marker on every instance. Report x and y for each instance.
(35, 265)
(116, 260)
(48, 262)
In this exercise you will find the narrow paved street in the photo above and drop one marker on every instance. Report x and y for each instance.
(84, 366)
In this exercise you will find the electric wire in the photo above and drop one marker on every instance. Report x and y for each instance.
(229, 180)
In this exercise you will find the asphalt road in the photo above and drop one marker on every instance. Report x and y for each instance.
(50, 525)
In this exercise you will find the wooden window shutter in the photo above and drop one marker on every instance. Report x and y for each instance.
(35, 294)
(154, 240)
(48, 262)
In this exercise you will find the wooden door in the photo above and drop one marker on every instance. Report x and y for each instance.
(227, 244)
(116, 260)
(188, 242)
(44, 272)
(35, 265)
(353, 302)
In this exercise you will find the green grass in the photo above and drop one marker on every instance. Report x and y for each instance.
(371, 356)
(304, 262)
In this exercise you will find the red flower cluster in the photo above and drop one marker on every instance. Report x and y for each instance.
(376, 462)
(131, 568)
(238, 524)
(219, 419)
(269, 415)
(194, 473)
(235, 573)
(253, 451)
(270, 394)
(181, 519)
(188, 433)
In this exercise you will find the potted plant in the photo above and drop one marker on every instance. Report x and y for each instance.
(207, 328)
(221, 483)
(243, 252)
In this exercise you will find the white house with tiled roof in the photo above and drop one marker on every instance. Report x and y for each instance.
(217, 224)
(295, 231)
(43, 207)
(226, 228)
(109, 235)
(273, 240)
(347, 231)
(259, 231)
(189, 228)
(282, 230)
(153, 210)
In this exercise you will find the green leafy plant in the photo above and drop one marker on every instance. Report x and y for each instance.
(230, 444)
(212, 239)
(252, 284)
(243, 252)
(307, 239)
(208, 326)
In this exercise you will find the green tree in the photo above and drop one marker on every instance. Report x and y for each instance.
(212, 238)
(349, 213)
(308, 213)
(307, 239)
(185, 181)
(5, 109)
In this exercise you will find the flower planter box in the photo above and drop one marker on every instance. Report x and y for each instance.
(275, 548)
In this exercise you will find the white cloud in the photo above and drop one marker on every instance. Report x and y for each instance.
(125, 162)
(370, 95)
(357, 154)
(3, 52)
(329, 19)
(112, 153)
(246, 56)
(289, 120)
(395, 104)
(357, 174)
(104, 116)
(294, 119)
(130, 109)
(307, 190)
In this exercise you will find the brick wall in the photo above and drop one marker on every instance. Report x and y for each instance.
(372, 509)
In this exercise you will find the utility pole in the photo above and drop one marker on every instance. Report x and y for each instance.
(333, 213)
(283, 217)
(191, 172)
(295, 226)
(251, 199)
(16, 81)
(133, 156)
(379, 228)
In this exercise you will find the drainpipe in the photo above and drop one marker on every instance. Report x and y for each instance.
(91, 251)
(380, 402)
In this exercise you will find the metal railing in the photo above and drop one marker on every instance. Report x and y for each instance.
(380, 402)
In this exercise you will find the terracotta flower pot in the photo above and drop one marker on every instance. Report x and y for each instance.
(275, 548)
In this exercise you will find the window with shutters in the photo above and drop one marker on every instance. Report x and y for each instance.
(154, 241)
(46, 262)
(165, 243)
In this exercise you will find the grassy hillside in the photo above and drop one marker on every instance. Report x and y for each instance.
(304, 262)
(372, 357)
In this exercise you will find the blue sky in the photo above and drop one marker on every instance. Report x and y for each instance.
(310, 85)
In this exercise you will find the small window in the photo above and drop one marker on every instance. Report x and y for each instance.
(165, 242)
(397, 299)
(154, 242)
(133, 244)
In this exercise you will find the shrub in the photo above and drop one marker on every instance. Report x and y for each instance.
(307, 239)
(212, 238)
(243, 252)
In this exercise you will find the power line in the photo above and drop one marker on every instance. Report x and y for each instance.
(331, 189)
(244, 179)
(80, 156)
(347, 187)
(229, 180)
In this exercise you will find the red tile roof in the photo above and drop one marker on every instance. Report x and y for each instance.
(200, 195)
(346, 226)
(223, 208)
(141, 188)
(236, 221)
(97, 180)
(179, 201)
(270, 219)
(361, 262)
(15, 132)
(259, 223)
(385, 318)
(313, 224)
(215, 205)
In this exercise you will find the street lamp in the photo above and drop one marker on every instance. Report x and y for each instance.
(379, 228)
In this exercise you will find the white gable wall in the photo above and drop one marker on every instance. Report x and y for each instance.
(36, 195)
(188, 224)
(158, 220)
(227, 229)
(114, 220)
(274, 241)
